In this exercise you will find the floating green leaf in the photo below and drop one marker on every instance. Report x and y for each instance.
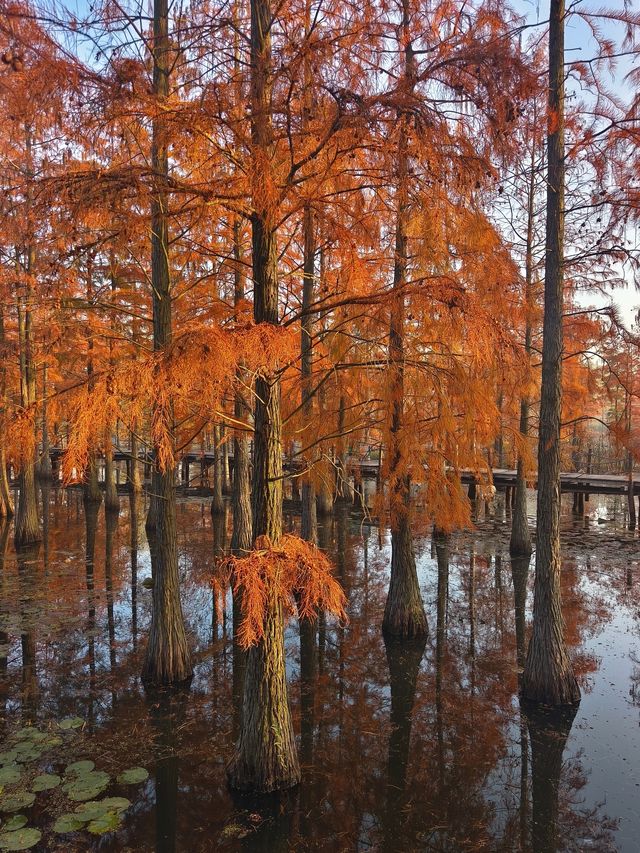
(15, 822)
(30, 733)
(17, 800)
(9, 774)
(91, 810)
(115, 804)
(71, 723)
(147, 583)
(106, 823)
(45, 782)
(53, 740)
(26, 751)
(8, 756)
(133, 776)
(87, 786)
(22, 839)
(68, 823)
(78, 768)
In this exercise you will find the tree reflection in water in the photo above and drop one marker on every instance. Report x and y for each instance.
(403, 747)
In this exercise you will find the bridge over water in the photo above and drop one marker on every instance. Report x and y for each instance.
(602, 484)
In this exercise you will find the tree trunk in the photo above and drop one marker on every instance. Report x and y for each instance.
(111, 501)
(168, 657)
(6, 501)
(548, 675)
(404, 614)
(520, 536)
(224, 461)
(91, 491)
(241, 491)
(135, 478)
(44, 468)
(309, 524)
(27, 525)
(265, 758)
(217, 501)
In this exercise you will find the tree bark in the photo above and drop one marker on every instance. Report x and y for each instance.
(520, 536)
(168, 657)
(44, 468)
(265, 759)
(111, 500)
(241, 491)
(27, 524)
(6, 501)
(404, 614)
(548, 675)
(309, 523)
(217, 501)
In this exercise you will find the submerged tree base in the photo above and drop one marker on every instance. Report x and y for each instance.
(548, 678)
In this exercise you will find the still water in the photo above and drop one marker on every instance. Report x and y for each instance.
(420, 748)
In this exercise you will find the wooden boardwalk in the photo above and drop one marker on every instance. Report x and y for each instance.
(595, 484)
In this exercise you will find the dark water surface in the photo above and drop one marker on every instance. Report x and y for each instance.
(415, 748)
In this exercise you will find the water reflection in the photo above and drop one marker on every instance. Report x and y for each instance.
(402, 747)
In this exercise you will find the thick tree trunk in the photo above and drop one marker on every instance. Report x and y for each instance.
(168, 657)
(265, 758)
(404, 614)
(548, 675)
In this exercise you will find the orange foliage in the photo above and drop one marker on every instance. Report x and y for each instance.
(296, 573)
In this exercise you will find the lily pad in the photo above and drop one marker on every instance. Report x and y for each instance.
(8, 756)
(91, 810)
(53, 740)
(30, 733)
(79, 768)
(15, 822)
(9, 774)
(95, 809)
(68, 823)
(71, 723)
(133, 776)
(21, 839)
(116, 804)
(106, 823)
(87, 786)
(16, 801)
(45, 782)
